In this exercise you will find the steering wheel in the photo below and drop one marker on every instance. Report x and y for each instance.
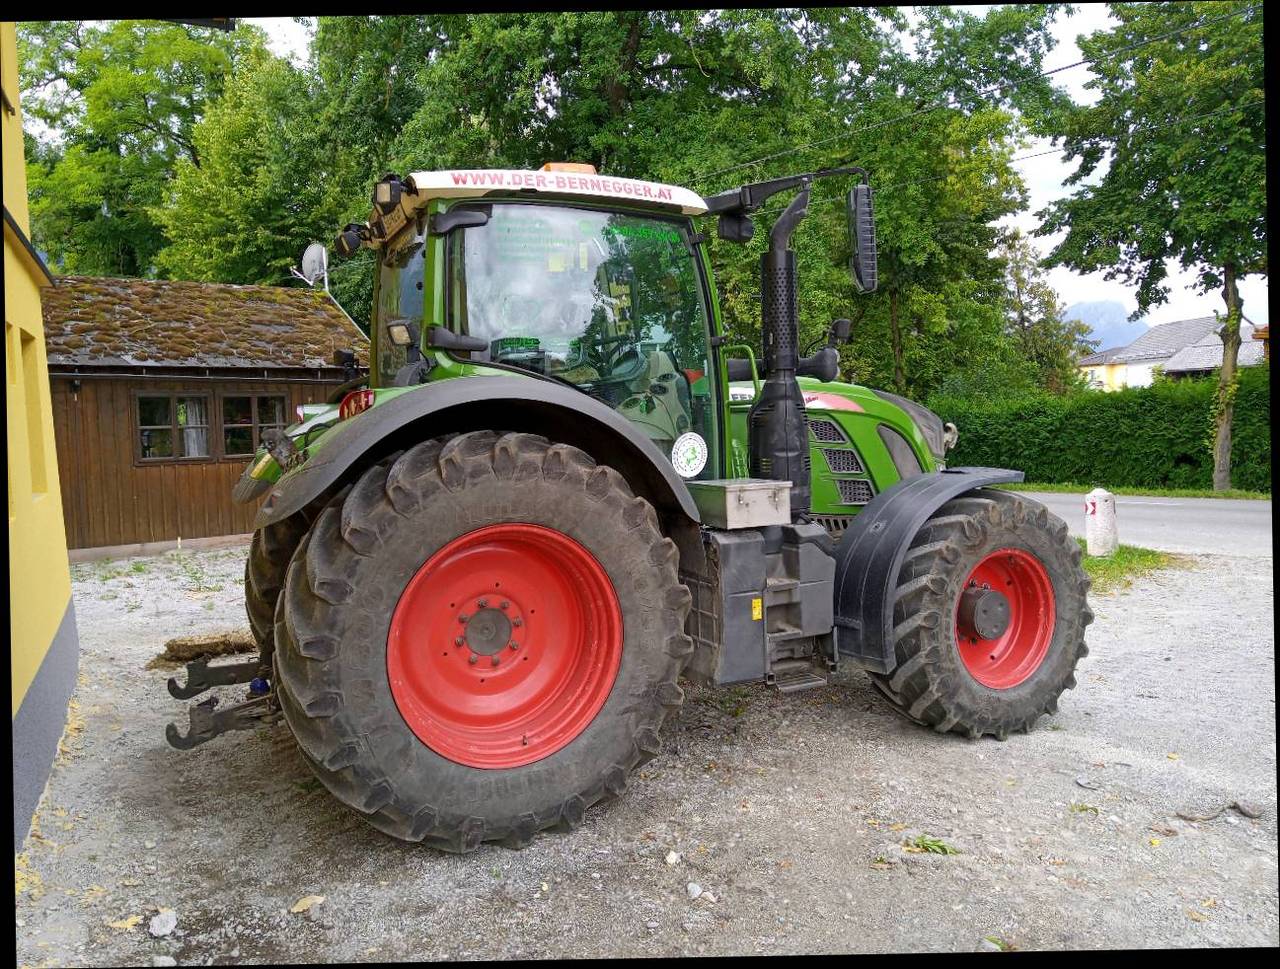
(599, 352)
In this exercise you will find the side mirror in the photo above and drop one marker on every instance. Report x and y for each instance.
(862, 236)
(735, 228)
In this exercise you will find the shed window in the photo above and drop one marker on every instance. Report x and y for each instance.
(173, 426)
(245, 418)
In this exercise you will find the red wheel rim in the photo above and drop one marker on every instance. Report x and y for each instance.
(1005, 660)
(457, 680)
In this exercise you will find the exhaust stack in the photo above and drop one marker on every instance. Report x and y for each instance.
(777, 432)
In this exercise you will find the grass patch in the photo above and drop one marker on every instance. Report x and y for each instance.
(1079, 489)
(732, 701)
(1116, 572)
(923, 844)
(194, 573)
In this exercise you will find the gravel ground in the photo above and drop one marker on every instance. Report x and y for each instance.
(787, 813)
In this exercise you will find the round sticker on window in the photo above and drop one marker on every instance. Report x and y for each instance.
(689, 454)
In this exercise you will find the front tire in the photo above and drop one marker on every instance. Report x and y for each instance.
(982, 663)
(395, 669)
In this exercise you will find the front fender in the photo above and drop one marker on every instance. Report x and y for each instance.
(497, 403)
(870, 553)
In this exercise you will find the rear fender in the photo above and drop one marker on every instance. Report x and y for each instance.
(494, 403)
(870, 553)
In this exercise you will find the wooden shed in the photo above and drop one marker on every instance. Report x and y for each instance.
(162, 389)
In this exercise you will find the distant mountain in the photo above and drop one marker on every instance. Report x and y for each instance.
(1107, 322)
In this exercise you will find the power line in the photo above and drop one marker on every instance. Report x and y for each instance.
(1052, 151)
(983, 93)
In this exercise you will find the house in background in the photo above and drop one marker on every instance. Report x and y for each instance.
(162, 390)
(1183, 348)
(1101, 370)
(1263, 335)
(1203, 357)
(44, 647)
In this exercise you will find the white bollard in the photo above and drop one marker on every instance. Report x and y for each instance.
(1100, 536)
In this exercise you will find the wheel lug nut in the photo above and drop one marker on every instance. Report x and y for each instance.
(473, 659)
(495, 660)
(457, 640)
(517, 621)
(513, 644)
(463, 617)
(482, 603)
(504, 604)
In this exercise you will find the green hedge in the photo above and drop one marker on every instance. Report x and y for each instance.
(1155, 437)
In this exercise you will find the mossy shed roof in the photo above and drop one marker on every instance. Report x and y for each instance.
(99, 321)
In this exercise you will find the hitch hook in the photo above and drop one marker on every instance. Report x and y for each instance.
(201, 676)
(207, 722)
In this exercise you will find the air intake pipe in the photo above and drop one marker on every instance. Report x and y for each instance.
(777, 433)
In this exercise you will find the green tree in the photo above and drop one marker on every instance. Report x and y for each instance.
(704, 98)
(1034, 318)
(1178, 138)
(117, 103)
(271, 179)
(936, 140)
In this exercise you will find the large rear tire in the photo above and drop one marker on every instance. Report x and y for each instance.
(269, 554)
(395, 667)
(270, 550)
(969, 660)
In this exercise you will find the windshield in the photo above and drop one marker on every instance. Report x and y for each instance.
(610, 302)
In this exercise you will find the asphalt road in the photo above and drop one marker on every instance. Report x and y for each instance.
(1203, 526)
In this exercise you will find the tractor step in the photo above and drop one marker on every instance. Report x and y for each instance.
(792, 676)
(783, 632)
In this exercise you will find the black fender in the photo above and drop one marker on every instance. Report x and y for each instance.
(869, 557)
(491, 403)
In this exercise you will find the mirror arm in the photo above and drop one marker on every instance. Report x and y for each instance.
(443, 338)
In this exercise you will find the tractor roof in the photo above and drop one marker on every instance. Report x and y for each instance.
(459, 183)
(422, 187)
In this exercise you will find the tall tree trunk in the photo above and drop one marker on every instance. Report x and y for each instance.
(615, 87)
(1225, 398)
(895, 332)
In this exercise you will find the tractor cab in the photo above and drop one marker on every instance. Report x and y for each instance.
(598, 283)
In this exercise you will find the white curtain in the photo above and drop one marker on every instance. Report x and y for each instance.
(195, 440)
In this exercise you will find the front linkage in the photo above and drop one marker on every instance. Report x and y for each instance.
(207, 721)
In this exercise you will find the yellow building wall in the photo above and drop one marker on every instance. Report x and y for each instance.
(1109, 375)
(39, 578)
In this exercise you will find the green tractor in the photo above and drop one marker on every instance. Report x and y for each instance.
(475, 598)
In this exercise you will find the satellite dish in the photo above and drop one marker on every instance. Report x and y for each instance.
(315, 264)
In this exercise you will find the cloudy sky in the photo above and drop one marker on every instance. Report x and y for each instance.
(1044, 178)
